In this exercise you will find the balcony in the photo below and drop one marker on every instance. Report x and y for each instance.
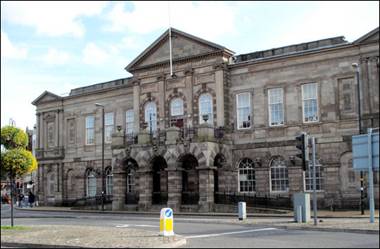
(50, 153)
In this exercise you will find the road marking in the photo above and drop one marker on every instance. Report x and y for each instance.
(134, 225)
(221, 234)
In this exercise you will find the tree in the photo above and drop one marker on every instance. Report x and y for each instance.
(15, 159)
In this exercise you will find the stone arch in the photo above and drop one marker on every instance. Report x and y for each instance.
(159, 177)
(88, 171)
(190, 178)
(69, 188)
(199, 155)
(201, 91)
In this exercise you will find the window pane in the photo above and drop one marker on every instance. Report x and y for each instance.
(205, 108)
(246, 175)
(309, 103)
(129, 121)
(177, 107)
(243, 110)
(150, 116)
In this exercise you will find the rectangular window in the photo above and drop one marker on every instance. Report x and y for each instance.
(318, 177)
(108, 124)
(276, 106)
(309, 102)
(129, 121)
(243, 108)
(90, 129)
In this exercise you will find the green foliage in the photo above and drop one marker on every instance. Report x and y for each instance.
(12, 137)
(14, 228)
(15, 159)
(18, 161)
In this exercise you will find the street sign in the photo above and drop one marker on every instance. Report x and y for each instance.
(360, 152)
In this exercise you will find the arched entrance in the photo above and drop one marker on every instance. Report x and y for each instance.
(218, 163)
(160, 181)
(131, 195)
(190, 180)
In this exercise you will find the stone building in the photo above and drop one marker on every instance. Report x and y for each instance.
(219, 124)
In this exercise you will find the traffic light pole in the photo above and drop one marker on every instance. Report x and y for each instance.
(314, 183)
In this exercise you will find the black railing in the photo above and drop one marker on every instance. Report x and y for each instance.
(90, 201)
(160, 198)
(189, 133)
(131, 198)
(219, 132)
(158, 137)
(131, 138)
(190, 198)
(254, 200)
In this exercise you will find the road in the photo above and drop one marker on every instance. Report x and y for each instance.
(202, 231)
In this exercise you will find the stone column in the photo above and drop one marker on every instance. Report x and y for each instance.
(206, 188)
(174, 187)
(136, 105)
(189, 95)
(219, 91)
(161, 102)
(119, 188)
(42, 137)
(56, 128)
(38, 135)
(145, 189)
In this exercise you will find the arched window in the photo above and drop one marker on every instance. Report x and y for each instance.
(151, 116)
(318, 176)
(205, 108)
(109, 183)
(247, 181)
(91, 183)
(279, 175)
(176, 107)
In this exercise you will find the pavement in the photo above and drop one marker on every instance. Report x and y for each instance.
(337, 221)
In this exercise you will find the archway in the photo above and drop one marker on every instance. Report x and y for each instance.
(190, 179)
(160, 180)
(132, 194)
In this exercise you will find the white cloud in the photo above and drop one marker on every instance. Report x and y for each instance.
(51, 18)
(9, 50)
(55, 57)
(94, 55)
(205, 19)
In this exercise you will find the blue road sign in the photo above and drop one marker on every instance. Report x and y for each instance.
(168, 213)
(360, 151)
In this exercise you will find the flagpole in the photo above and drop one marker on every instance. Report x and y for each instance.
(170, 43)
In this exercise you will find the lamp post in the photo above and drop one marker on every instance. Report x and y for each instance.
(355, 66)
(103, 130)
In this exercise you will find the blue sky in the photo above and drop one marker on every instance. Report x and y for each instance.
(58, 46)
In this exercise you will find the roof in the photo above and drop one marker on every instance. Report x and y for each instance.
(164, 36)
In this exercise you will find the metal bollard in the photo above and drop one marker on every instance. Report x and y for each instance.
(166, 222)
(242, 211)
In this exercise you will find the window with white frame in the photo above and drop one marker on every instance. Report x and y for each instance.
(276, 106)
(129, 121)
(91, 183)
(247, 181)
(279, 175)
(205, 108)
(151, 116)
(310, 102)
(318, 176)
(109, 183)
(131, 173)
(243, 108)
(176, 107)
(90, 129)
(109, 126)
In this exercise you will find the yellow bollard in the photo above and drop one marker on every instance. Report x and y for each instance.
(166, 222)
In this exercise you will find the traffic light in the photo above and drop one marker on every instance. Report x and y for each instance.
(302, 145)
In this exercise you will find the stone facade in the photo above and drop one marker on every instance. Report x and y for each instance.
(184, 161)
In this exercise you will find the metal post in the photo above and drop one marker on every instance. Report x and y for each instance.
(314, 184)
(357, 73)
(103, 192)
(370, 178)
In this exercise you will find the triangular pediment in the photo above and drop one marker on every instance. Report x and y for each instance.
(372, 36)
(46, 97)
(183, 46)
